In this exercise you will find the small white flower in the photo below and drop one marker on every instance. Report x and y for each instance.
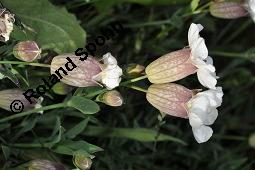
(6, 24)
(199, 57)
(202, 112)
(111, 72)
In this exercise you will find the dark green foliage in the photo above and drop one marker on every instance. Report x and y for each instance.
(133, 136)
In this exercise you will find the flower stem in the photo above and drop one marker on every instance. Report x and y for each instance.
(136, 88)
(25, 63)
(31, 145)
(29, 112)
(133, 80)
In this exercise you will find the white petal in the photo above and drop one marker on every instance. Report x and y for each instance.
(209, 60)
(109, 59)
(251, 4)
(193, 33)
(8, 24)
(204, 64)
(199, 110)
(207, 78)
(199, 102)
(202, 107)
(111, 74)
(111, 77)
(202, 133)
(214, 96)
(195, 120)
(111, 83)
(199, 49)
(211, 117)
(219, 95)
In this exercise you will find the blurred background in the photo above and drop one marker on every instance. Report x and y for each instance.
(154, 28)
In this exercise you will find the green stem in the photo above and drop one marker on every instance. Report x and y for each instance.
(96, 93)
(25, 63)
(234, 55)
(136, 88)
(31, 145)
(151, 23)
(121, 84)
(133, 80)
(204, 6)
(29, 112)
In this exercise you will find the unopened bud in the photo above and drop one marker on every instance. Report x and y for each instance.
(169, 98)
(74, 72)
(228, 10)
(134, 70)
(27, 51)
(111, 98)
(61, 88)
(252, 140)
(41, 164)
(8, 96)
(83, 162)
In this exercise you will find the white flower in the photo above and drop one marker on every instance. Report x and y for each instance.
(251, 6)
(6, 24)
(202, 112)
(111, 72)
(199, 57)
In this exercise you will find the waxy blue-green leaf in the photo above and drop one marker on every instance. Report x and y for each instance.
(53, 27)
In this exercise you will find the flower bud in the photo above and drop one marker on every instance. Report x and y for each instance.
(252, 140)
(111, 98)
(8, 96)
(227, 10)
(27, 51)
(78, 73)
(171, 67)
(83, 162)
(61, 88)
(169, 98)
(134, 70)
(41, 164)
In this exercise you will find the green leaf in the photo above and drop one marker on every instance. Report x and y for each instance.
(6, 151)
(84, 105)
(25, 126)
(194, 4)
(140, 134)
(77, 129)
(57, 138)
(7, 73)
(69, 147)
(4, 126)
(52, 27)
